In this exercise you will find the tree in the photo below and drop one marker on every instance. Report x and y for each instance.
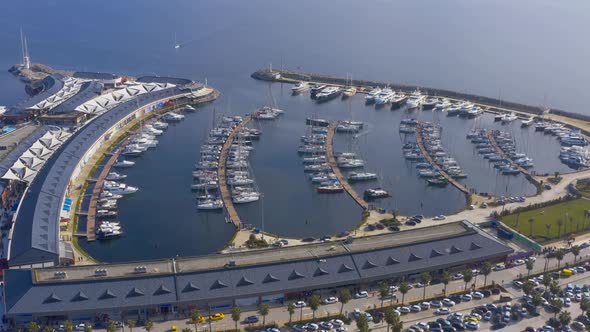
(263, 310)
(236, 312)
(445, 278)
(87, 327)
(195, 317)
(425, 278)
(404, 288)
(565, 318)
(111, 326)
(530, 264)
(576, 252)
(531, 222)
(314, 304)
(68, 326)
(528, 287)
(33, 327)
(554, 287)
(131, 324)
(362, 324)
(149, 325)
(383, 291)
(291, 310)
(559, 256)
(537, 300)
(547, 229)
(486, 269)
(187, 329)
(585, 305)
(392, 320)
(556, 305)
(344, 296)
(467, 276)
(547, 279)
(48, 329)
(559, 225)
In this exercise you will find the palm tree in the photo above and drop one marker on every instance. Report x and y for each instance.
(131, 324)
(48, 329)
(531, 221)
(425, 278)
(445, 278)
(557, 305)
(559, 225)
(314, 304)
(547, 279)
(392, 319)
(565, 318)
(291, 310)
(187, 329)
(68, 326)
(528, 287)
(88, 327)
(559, 256)
(585, 305)
(486, 269)
(547, 229)
(404, 288)
(344, 296)
(362, 324)
(576, 252)
(554, 287)
(467, 276)
(263, 310)
(195, 317)
(33, 327)
(111, 326)
(236, 312)
(537, 300)
(530, 264)
(383, 291)
(397, 325)
(149, 325)
(388, 316)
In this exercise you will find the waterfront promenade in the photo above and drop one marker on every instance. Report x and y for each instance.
(334, 165)
(431, 162)
(223, 187)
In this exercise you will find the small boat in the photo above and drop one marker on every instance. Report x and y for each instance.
(124, 164)
(300, 87)
(246, 197)
(210, 204)
(172, 117)
(105, 213)
(526, 122)
(362, 176)
(507, 118)
(189, 108)
(330, 188)
(317, 122)
(114, 176)
(160, 125)
(374, 193)
(429, 103)
(349, 91)
(205, 185)
(438, 182)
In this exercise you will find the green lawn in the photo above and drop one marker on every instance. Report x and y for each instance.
(584, 187)
(571, 213)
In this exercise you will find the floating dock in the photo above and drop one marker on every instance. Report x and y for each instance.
(431, 162)
(332, 161)
(223, 188)
(524, 171)
(91, 218)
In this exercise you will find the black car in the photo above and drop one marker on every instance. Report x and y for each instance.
(410, 223)
(459, 326)
(394, 228)
(434, 325)
(251, 320)
(486, 293)
(449, 329)
(498, 326)
(455, 298)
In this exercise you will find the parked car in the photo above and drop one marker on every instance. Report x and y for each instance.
(477, 295)
(443, 311)
(330, 300)
(251, 320)
(448, 302)
(404, 310)
(217, 316)
(300, 304)
(436, 304)
(415, 308)
(457, 276)
(361, 295)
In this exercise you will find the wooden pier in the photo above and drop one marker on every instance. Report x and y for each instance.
(223, 188)
(524, 171)
(431, 162)
(332, 161)
(91, 217)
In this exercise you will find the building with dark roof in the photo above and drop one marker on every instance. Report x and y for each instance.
(252, 277)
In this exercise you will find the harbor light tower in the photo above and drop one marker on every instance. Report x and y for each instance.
(25, 50)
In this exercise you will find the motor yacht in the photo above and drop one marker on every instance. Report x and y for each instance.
(398, 101)
(189, 108)
(349, 91)
(330, 188)
(172, 117)
(328, 93)
(300, 87)
(316, 89)
(160, 125)
(124, 164)
(374, 193)
(361, 176)
(114, 176)
(384, 96)
(370, 97)
(209, 204)
(246, 197)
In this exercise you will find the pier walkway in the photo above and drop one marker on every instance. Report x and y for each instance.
(91, 218)
(496, 147)
(336, 169)
(223, 188)
(431, 162)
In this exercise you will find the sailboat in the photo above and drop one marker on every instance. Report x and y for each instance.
(349, 90)
(177, 45)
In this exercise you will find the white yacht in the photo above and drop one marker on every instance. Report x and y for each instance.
(172, 117)
(210, 204)
(508, 118)
(119, 188)
(160, 125)
(240, 181)
(370, 97)
(114, 176)
(415, 100)
(189, 108)
(246, 197)
(204, 185)
(124, 163)
(384, 97)
(526, 122)
(300, 87)
(361, 176)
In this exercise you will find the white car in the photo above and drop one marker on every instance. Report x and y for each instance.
(499, 267)
(330, 300)
(535, 282)
(448, 302)
(477, 295)
(423, 326)
(337, 323)
(472, 325)
(361, 295)
(567, 302)
(313, 326)
(440, 217)
(517, 284)
(466, 297)
(341, 329)
(80, 327)
(443, 311)
(415, 308)
(457, 276)
(326, 325)
(300, 304)
(519, 262)
(577, 298)
(425, 305)
(404, 310)
(532, 259)
(393, 289)
(435, 303)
